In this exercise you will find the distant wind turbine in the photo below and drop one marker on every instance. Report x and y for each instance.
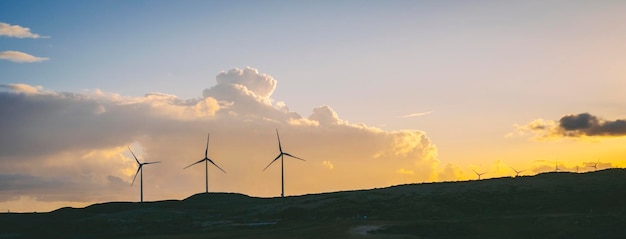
(595, 165)
(478, 174)
(517, 172)
(282, 164)
(140, 171)
(206, 160)
(556, 166)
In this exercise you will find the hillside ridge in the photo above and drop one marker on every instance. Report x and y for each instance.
(545, 205)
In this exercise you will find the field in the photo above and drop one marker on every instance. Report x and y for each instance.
(548, 205)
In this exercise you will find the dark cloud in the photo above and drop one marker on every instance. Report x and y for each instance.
(590, 125)
(37, 124)
(574, 125)
(578, 122)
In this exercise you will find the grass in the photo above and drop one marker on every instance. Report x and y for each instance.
(550, 205)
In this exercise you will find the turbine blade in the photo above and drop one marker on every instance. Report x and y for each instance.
(206, 151)
(151, 162)
(134, 156)
(138, 169)
(475, 171)
(293, 156)
(195, 163)
(277, 157)
(211, 161)
(280, 148)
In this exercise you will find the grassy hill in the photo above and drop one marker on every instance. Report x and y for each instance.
(549, 205)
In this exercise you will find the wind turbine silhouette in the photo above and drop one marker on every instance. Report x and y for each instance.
(595, 165)
(556, 166)
(138, 172)
(282, 164)
(478, 174)
(206, 160)
(517, 172)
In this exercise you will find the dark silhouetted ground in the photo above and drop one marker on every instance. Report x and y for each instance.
(549, 205)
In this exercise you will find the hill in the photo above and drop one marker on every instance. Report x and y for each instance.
(549, 205)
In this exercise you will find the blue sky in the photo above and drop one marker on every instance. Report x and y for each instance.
(475, 74)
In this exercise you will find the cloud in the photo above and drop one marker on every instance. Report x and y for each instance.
(23, 88)
(452, 172)
(67, 176)
(79, 140)
(262, 85)
(573, 126)
(405, 171)
(590, 125)
(416, 114)
(324, 115)
(17, 31)
(327, 164)
(20, 57)
(543, 166)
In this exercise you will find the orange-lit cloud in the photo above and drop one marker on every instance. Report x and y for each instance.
(21, 57)
(327, 164)
(451, 172)
(22, 88)
(404, 171)
(17, 31)
(416, 114)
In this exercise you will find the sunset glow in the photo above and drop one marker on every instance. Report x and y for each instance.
(370, 94)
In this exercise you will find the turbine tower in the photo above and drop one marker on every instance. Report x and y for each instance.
(282, 164)
(140, 171)
(206, 160)
(556, 166)
(595, 165)
(478, 174)
(517, 172)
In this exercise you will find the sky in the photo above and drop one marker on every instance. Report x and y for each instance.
(370, 93)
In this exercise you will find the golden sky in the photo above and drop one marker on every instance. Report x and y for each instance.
(370, 95)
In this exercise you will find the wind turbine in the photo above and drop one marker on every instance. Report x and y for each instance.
(282, 164)
(478, 174)
(517, 172)
(138, 172)
(595, 165)
(556, 166)
(206, 160)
